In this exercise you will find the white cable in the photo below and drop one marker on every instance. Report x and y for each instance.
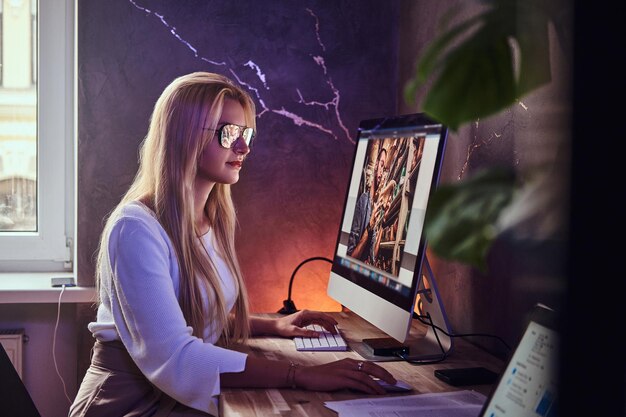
(54, 341)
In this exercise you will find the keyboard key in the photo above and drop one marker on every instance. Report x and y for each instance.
(299, 343)
(331, 341)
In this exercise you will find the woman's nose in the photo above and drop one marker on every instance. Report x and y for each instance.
(240, 146)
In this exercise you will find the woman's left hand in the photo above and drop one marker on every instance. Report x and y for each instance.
(294, 324)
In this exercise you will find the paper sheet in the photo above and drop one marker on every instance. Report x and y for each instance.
(447, 404)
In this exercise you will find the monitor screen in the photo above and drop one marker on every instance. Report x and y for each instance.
(381, 245)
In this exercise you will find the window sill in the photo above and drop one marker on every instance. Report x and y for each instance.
(36, 287)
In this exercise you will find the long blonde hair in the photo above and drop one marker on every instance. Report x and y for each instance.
(167, 167)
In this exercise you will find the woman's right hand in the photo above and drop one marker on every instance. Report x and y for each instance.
(343, 374)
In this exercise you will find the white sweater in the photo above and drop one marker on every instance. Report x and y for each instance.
(139, 294)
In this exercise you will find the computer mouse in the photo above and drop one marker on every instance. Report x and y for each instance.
(400, 386)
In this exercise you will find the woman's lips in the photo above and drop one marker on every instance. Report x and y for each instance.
(236, 164)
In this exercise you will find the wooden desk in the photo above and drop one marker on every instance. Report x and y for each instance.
(300, 403)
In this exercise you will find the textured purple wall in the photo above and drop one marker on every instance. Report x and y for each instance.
(315, 69)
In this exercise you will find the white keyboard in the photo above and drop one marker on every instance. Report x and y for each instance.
(326, 342)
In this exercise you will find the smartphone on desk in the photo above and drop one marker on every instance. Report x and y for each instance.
(466, 376)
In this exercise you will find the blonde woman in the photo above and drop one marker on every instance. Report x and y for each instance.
(172, 298)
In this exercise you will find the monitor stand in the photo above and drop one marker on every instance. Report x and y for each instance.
(421, 347)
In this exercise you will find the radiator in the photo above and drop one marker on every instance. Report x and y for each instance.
(13, 342)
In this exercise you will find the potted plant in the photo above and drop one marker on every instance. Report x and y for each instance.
(476, 68)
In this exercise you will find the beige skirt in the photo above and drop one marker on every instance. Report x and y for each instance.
(114, 386)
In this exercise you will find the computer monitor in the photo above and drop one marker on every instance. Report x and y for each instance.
(379, 267)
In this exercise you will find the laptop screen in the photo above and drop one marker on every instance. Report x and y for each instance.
(528, 386)
(14, 398)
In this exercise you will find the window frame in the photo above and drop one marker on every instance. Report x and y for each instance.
(51, 247)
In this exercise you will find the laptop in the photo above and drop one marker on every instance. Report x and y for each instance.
(528, 387)
(15, 401)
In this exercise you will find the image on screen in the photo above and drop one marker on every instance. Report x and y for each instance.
(382, 211)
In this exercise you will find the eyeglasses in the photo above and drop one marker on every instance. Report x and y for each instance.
(229, 133)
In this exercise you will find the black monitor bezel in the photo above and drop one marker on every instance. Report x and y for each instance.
(390, 125)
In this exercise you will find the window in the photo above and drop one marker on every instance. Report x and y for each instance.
(36, 134)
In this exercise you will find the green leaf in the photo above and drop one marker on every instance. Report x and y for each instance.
(476, 81)
(472, 64)
(533, 41)
(461, 220)
(432, 56)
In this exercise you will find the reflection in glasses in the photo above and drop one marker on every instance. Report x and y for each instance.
(229, 133)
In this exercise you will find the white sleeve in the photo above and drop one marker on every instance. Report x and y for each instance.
(150, 322)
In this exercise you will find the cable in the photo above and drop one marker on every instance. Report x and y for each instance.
(288, 305)
(54, 340)
(420, 318)
(444, 354)
(426, 292)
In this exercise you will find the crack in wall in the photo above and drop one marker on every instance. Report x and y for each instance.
(479, 143)
(284, 110)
